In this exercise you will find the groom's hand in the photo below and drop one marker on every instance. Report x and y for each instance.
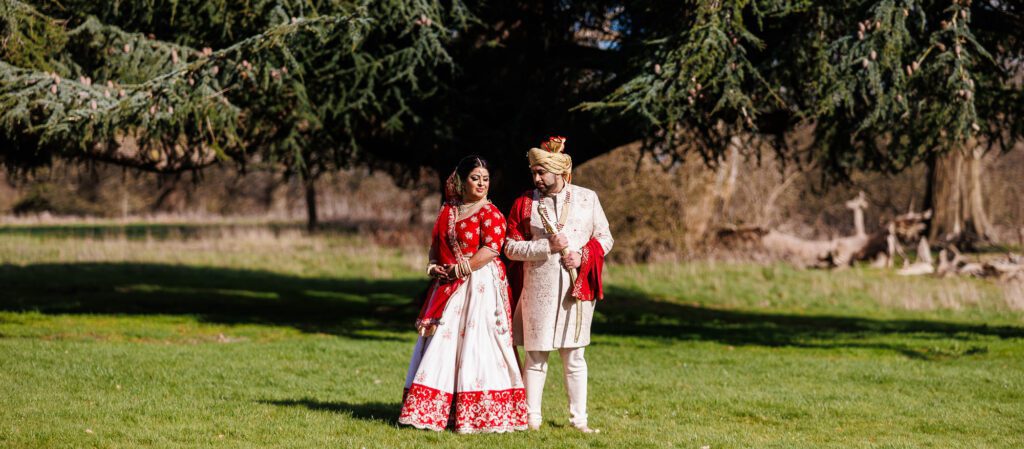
(557, 242)
(573, 260)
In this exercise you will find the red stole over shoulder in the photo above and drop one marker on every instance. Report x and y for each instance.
(519, 230)
(588, 284)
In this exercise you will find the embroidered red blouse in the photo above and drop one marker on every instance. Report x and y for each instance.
(484, 228)
(465, 237)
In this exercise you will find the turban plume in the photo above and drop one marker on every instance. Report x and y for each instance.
(551, 156)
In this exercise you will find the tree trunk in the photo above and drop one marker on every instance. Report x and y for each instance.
(417, 194)
(312, 224)
(956, 198)
(725, 179)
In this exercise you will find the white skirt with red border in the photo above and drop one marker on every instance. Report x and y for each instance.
(467, 373)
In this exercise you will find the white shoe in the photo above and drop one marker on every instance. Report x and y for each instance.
(533, 425)
(586, 429)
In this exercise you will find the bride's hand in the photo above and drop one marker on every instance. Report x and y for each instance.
(438, 271)
(450, 271)
(427, 331)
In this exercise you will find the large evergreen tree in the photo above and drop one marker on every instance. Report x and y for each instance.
(882, 84)
(179, 85)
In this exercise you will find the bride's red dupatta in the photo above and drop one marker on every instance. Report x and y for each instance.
(445, 242)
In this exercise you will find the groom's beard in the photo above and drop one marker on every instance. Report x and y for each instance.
(547, 189)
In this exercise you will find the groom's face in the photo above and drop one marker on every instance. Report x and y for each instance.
(544, 180)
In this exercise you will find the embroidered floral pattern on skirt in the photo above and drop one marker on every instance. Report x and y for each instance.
(468, 365)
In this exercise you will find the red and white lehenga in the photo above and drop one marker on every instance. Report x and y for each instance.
(469, 360)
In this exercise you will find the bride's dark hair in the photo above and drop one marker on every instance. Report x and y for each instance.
(462, 171)
(468, 163)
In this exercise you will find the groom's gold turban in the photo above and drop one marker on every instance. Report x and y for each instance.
(551, 157)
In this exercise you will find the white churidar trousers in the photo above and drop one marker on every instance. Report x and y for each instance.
(575, 370)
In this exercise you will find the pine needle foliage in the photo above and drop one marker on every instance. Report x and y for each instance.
(301, 91)
(313, 85)
(882, 83)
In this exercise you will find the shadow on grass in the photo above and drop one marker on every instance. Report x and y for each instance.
(632, 313)
(370, 411)
(186, 231)
(216, 295)
(349, 307)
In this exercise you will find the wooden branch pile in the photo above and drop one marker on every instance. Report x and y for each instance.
(880, 248)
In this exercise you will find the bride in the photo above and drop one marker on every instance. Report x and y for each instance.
(463, 368)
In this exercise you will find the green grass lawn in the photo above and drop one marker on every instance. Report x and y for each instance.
(254, 338)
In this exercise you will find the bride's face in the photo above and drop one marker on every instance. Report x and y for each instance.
(477, 184)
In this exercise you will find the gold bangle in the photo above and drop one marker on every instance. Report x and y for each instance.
(430, 269)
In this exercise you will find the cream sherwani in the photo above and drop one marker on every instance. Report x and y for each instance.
(545, 317)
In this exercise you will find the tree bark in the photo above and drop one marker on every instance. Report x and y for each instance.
(418, 194)
(312, 223)
(956, 198)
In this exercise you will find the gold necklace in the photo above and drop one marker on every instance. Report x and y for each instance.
(466, 207)
(542, 209)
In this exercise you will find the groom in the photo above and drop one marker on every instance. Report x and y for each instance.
(552, 230)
